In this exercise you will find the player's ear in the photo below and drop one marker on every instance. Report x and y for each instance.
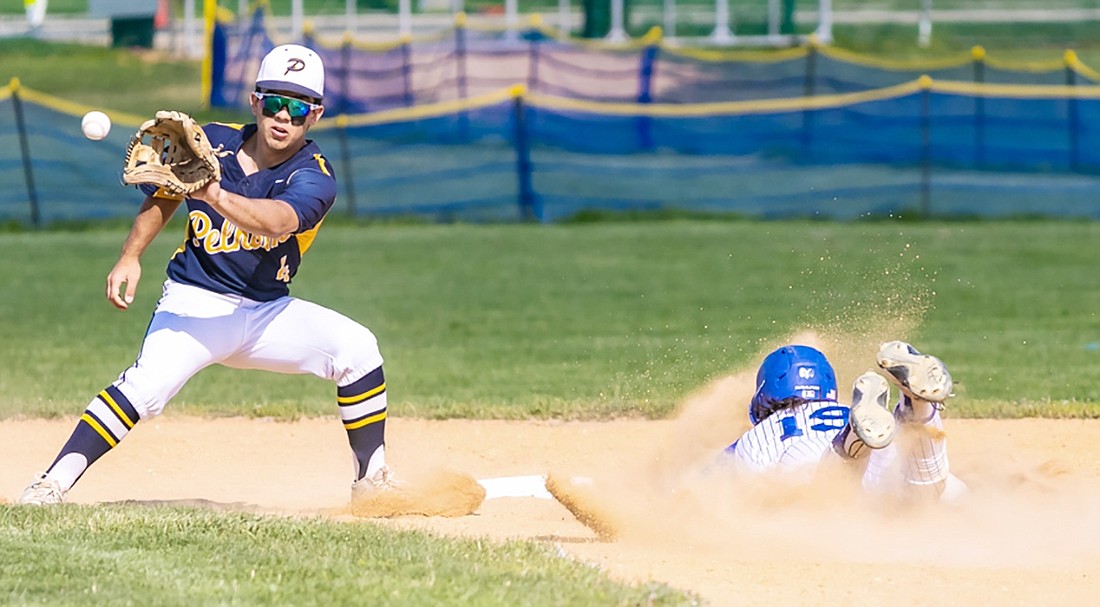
(254, 104)
(315, 115)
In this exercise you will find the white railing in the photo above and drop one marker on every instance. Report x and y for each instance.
(184, 36)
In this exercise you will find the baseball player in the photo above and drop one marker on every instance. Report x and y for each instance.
(226, 298)
(798, 422)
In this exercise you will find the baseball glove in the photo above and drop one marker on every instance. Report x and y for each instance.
(178, 158)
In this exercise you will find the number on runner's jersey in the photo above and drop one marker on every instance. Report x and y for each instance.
(823, 420)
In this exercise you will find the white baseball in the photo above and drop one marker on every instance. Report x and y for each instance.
(95, 125)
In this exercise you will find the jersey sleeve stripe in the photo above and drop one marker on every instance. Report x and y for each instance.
(166, 195)
(321, 163)
(305, 239)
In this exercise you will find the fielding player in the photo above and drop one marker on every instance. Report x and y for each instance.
(226, 300)
(798, 423)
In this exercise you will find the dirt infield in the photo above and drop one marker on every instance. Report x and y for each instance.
(1029, 535)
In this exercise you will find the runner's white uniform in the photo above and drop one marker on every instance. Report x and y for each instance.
(794, 439)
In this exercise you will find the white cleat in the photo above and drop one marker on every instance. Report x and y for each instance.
(919, 376)
(43, 491)
(870, 419)
(368, 486)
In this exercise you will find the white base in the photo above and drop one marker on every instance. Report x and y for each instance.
(515, 486)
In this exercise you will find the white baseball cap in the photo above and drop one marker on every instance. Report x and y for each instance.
(292, 68)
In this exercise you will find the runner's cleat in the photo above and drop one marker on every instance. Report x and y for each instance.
(919, 376)
(870, 419)
(870, 423)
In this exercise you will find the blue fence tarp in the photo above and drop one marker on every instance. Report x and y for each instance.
(465, 63)
(596, 128)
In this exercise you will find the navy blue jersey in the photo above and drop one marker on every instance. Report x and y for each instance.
(219, 256)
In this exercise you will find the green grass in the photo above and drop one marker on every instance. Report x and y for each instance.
(125, 555)
(60, 7)
(1003, 41)
(55, 7)
(80, 7)
(598, 320)
(569, 321)
(107, 77)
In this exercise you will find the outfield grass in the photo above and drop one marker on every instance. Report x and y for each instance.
(126, 555)
(597, 320)
(114, 79)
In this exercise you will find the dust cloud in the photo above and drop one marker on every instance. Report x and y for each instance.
(1017, 513)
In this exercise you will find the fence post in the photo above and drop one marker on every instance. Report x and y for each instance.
(1073, 115)
(346, 164)
(342, 123)
(527, 196)
(406, 68)
(460, 55)
(239, 86)
(644, 124)
(460, 74)
(218, 60)
(649, 61)
(532, 64)
(308, 36)
(926, 146)
(978, 53)
(345, 75)
(809, 86)
(25, 150)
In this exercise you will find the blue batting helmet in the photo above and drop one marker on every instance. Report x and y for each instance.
(790, 376)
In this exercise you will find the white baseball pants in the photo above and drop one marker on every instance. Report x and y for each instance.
(193, 328)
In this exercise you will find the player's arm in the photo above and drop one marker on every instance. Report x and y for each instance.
(260, 216)
(151, 219)
(748, 454)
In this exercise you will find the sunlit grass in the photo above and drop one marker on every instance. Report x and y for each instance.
(130, 554)
(595, 320)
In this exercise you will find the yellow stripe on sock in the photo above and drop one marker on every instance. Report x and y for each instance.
(365, 421)
(118, 410)
(95, 426)
(351, 400)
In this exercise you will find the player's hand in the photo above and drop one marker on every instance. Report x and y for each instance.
(127, 271)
